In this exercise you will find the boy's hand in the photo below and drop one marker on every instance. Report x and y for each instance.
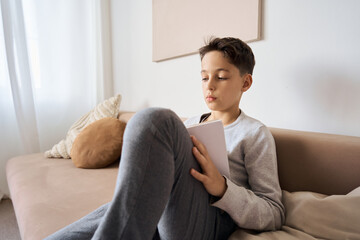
(210, 177)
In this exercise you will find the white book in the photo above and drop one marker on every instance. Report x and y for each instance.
(212, 135)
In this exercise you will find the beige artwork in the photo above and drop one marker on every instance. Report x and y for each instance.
(180, 27)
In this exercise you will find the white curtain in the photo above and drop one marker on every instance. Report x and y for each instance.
(55, 66)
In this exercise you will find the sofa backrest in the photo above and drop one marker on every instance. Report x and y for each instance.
(318, 162)
(309, 161)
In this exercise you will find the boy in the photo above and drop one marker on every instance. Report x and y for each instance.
(168, 187)
(227, 65)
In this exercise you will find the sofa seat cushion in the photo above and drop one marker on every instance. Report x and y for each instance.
(49, 194)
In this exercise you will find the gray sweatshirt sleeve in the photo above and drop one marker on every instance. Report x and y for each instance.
(257, 206)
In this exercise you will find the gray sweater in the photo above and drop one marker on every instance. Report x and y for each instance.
(253, 196)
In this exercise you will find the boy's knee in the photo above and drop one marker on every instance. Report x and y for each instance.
(154, 115)
(157, 114)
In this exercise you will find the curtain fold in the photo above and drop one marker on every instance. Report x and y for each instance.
(19, 74)
(103, 49)
(56, 65)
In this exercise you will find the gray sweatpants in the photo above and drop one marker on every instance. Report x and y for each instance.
(155, 195)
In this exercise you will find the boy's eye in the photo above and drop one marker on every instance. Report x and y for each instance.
(222, 78)
(204, 78)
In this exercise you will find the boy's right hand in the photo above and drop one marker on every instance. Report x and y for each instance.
(213, 181)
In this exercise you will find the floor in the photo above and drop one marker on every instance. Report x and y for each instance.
(8, 226)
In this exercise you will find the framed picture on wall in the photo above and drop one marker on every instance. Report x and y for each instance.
(180, 27)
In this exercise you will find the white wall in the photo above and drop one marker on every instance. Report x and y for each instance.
(306, 77)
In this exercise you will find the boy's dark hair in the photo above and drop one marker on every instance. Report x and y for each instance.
(235, 50)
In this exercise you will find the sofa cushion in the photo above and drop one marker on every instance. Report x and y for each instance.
(317, 162)
(49, 195)
(322, 216)
(286, 233)
(99, 144)
(108, 108)
(311, 216)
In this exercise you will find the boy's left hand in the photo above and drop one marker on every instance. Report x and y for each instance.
(213, 181)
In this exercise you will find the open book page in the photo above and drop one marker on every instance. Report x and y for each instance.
(212, 135)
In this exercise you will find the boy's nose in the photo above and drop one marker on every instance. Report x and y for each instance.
(211, 83)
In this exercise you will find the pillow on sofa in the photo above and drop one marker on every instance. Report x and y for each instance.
(108, 108)
(322, 216)
(99, 144)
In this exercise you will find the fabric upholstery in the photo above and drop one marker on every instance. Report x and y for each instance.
(49, 195)
(317, 162)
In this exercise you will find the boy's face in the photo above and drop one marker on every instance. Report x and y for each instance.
(222, 83)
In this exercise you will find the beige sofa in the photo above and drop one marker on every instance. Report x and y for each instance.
(49, 194)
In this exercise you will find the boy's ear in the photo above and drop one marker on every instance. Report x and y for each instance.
(247, 82)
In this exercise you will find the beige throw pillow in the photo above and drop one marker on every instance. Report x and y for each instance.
(322, 216)
(311, 216)
(108, 108)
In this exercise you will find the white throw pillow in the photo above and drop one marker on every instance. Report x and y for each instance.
(108, 108)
